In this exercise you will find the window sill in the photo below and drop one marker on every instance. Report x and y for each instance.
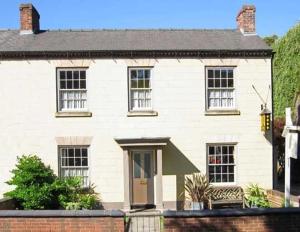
(222, 112)
(72, 114)
(142, 114)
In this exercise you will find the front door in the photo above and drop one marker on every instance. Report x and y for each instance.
(142, 178)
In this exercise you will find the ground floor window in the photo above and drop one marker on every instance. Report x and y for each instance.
(74, 162)
(221, 163)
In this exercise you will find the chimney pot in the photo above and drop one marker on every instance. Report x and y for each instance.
(246, 19)
(29, 19)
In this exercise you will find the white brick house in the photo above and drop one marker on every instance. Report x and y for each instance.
(135, 111)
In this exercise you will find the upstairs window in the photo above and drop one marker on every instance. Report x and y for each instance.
(220, 88)
(140, 90)
(72, 92)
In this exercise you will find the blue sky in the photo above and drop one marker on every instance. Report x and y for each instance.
(272, 16)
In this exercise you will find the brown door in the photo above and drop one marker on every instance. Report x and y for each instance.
(142, 178)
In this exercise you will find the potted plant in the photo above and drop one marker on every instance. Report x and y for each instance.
(197, 188)
(256, 197)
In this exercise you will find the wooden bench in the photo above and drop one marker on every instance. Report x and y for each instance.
(229, 195)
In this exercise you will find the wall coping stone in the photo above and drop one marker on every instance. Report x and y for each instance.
(230, 212)
(61, 213)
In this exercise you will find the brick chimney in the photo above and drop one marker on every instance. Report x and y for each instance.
(246, 19)
(29, 19)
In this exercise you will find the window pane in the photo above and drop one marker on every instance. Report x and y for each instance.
(140, 74)
(147, 83)
(210, 73)
(223, 83)
(77, 152)
(212, 159)
(82, 84)
(82, 75)
(224, 178)
(210, 83)
(69, 75)
(62, 75)
(71, 152)
(223, 73)
(84, 162)
(217, 74)
(137, 166)
(141, 84)
(76, 84)
(133, 83)
(133, 74)
(147, 166)
(231, 159)
(147, 74)
(69, 85)
(218, 149)
(63, 84)
(76, 75)
(211, 150)
(71, 161)
(224, 169)
(230, 73)
(77, 161)
(84, 152)
(230, 82)
(224, 150)
(224, 159)
(217, 83)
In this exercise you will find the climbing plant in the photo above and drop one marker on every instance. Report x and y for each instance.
(286, 70)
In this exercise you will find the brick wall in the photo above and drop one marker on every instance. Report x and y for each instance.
(256, 220)
(238, 220)
(67, 221)
(246, 19)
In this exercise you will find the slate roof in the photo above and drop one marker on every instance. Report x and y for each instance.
(129, 40)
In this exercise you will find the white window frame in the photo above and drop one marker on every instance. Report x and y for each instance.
(60, 166)
(234, 107)
(140, 109)
(59, 90)
(235, 155)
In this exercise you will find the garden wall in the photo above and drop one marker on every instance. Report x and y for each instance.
(61, 220)
(244, 220)
(7, 203)
(239, 220)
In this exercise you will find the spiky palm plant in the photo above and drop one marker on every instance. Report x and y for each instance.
(197, 187)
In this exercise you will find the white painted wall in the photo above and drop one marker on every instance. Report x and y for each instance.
(28, 124)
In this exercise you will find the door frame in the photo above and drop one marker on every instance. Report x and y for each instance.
(153, 165)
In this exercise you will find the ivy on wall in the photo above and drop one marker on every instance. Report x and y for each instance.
(286, 70)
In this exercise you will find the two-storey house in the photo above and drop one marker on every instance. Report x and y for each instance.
(135, 111)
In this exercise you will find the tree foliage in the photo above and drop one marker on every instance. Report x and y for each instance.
(286, 70)
(270, 40)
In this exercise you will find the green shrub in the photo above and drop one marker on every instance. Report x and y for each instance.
(33, 184)
(72, 196)
(37, 187)
(256, 197)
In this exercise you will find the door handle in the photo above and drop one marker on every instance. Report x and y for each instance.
(143, 182)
